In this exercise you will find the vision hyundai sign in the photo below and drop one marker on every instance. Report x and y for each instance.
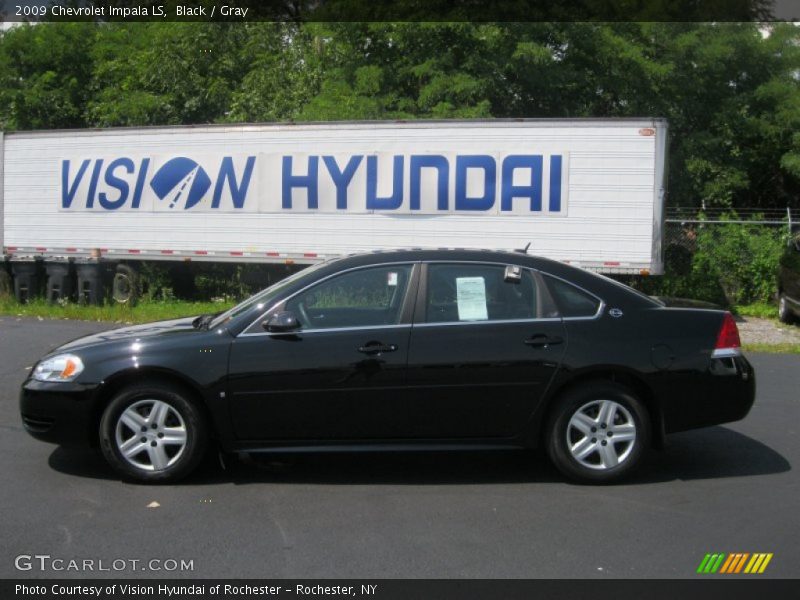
(426, 183)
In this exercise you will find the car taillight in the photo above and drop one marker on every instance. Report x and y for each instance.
(728, 342)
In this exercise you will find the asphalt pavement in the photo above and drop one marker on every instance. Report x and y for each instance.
(728, 489)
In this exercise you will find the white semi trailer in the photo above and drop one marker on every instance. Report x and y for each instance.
(589, 192)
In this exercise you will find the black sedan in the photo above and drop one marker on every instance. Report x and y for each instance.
(402, 350)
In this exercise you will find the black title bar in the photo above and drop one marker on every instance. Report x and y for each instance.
(399, 10)
(731, 588)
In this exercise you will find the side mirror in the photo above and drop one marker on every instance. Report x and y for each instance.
(281, 322)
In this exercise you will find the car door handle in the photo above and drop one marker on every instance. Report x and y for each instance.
(541, 340)
(377, 348)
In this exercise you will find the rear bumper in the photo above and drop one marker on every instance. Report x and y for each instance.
(59, 413)
(724, 393)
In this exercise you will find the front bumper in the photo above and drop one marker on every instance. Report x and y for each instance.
(59, 413)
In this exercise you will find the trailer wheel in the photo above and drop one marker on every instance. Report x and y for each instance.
(125, 287)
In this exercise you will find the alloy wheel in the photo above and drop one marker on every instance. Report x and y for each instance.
(601, 434)
(151, 435)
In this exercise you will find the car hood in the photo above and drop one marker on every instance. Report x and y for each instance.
(148, 331)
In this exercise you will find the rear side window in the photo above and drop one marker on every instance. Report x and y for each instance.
(469, 292)
(572, 301)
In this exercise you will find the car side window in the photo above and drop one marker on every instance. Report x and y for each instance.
(572, 301)
(362, 298)
(471, 292)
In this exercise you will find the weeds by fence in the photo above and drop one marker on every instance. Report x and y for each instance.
(720, 256)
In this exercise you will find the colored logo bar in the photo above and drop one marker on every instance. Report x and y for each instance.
(736, 562)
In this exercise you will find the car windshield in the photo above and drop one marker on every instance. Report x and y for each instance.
(263, 298)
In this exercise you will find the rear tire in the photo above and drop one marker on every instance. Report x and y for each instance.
(598, 433)
(151, 432)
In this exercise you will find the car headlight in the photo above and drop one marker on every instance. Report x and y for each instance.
(64, 367)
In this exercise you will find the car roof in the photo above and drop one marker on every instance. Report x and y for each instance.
(592, 282)
(540, 263)
(608, 290)
(426, 254)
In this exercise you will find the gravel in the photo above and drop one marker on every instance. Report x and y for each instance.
(754, 330)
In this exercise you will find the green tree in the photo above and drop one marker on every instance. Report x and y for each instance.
(165, 73)
(45, 75)
(403, 70)
(282, 71)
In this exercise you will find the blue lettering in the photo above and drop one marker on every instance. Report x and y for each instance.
(137, 191)
(68, 191)
(432, 161)
(533, 191)
(227, 173)
(119, 174)
(118, 184)
(342, 179)
(479, 161)
(93, 183)
(392, 202)
(555, 183)
(309, 181)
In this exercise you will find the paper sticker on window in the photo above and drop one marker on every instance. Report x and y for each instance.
(471, 296)
(392, 279)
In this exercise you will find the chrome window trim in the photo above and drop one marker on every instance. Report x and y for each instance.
(328, 329)
(594, 317)
(600, 309)
(310, 285)
(597, 315)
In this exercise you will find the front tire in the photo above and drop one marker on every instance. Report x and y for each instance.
(153, 433)
(598, 433)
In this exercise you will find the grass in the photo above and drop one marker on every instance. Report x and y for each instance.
(144, 312)
(762, 310)
(773, 348)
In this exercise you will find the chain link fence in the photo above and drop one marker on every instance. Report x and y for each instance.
(723, 256)
(683, 225)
